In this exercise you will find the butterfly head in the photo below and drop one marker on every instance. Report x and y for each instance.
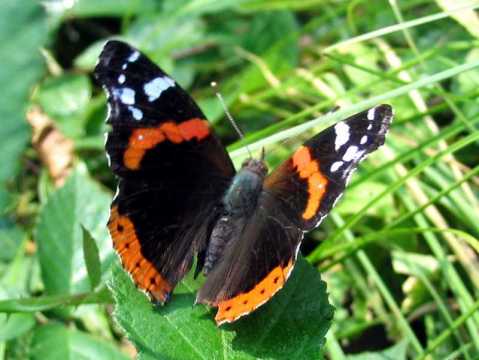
(256, 166)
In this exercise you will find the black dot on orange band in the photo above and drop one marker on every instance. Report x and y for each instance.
(228, 308)
(119, 228)
(276, 279)
(245, 302)
(262, 291)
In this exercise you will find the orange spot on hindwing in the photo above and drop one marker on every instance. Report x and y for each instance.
(308, 169)
(128, 247)
(242, 304)
(144, 139)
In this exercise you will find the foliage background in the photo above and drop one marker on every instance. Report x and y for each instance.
(400, 251)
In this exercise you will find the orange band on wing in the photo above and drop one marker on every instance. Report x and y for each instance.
(308, 169)
(231, 309)
(143, 272)
(144, 139)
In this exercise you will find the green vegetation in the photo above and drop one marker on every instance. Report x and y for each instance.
(398, 258)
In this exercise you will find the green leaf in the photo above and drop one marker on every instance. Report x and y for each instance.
(21, 35)
(92, 259)
(14, 325)
(54, 341)
(65, 99)
(279, 50)
(396, 352)
(59, 237)
(11, 237)
(291, 325)
(64, 95)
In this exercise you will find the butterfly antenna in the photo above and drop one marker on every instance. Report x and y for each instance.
(230, 118)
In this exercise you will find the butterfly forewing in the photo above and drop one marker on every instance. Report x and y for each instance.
(313, 179)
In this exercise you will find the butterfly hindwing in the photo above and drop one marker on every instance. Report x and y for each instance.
(172, 169)
(256, 264)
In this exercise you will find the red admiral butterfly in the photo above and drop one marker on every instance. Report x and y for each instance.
(179, 195)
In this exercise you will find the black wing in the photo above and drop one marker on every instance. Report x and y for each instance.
(172, 169)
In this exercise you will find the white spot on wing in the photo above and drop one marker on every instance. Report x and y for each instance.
(108, 159)
(124, 66)
(353, 154)
(342, 135)
(336, 165)
(350, 153)
(127, 96)
(137, 113)
(371, 113)
(155, 87)
(121, 79)
(370, 126)
(363, 140)
(134, 56)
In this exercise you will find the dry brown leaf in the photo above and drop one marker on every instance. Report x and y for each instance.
(55, 150)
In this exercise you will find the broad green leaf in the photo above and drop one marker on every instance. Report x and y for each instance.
(21, 275)
(23, 31)
(292, 325)
(164, 35)
(58, 233)
(15, 325)
(55, 341)
(279, 51)
(396, 352)
(65, 99)
(11, 237)
(64, 95)
(92, 259)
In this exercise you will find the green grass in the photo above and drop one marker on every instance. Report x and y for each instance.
(400, 252)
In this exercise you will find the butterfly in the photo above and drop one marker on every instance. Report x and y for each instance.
(180, 198)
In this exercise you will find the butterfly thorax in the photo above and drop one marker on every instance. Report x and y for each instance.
(239, 203)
